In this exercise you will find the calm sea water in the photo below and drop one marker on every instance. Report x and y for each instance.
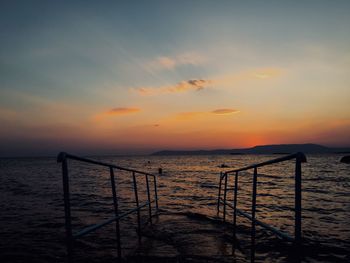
(32, 217)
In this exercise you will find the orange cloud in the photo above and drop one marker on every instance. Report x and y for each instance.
(200, 84)
(197, 114)
(122, 111)
(183, 86)
(224, 111)
(260, 74)
(116, 112)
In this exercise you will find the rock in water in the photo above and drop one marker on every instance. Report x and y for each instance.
(345, 159)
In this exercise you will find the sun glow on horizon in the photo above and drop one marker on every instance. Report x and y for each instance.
(136, 79)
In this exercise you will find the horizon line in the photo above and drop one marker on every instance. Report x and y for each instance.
(150, 152)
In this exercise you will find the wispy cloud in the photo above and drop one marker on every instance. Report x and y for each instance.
(248, 75)
(164, 62)
(198, 114)
(122, 111)
(171, 62)
(267, 73)
(225, 111)
(227, 80)
(183, 86)
(116, 112)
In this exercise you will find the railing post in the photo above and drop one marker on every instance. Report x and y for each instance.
(225, 194)
(116, 212)
(300, 158)
(149, 200)
(67, 211)
(219, 195)
(252, 249)
(235, 205)
(155, 192)
(297, 230)
(137, 205)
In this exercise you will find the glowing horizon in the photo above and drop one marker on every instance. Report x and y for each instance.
(127, 78)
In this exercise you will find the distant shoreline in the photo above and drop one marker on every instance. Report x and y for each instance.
(277, 149)
(261, 149)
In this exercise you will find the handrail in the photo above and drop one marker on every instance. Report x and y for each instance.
(299, 158)
(70, 237)
(89, 229)
(277, 160)
(271, 228)
(63, 155)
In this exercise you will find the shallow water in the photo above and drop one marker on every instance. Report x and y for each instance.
(32, 217)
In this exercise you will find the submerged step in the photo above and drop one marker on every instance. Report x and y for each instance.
(185, 237)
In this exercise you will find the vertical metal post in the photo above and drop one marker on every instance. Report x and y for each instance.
(137, 205)
(116, 212)
(297, 229)
(155, 192)
(252, 249)
(235, 205)
(225, 194)
(67, 212)
(149, 200)
(219, 195)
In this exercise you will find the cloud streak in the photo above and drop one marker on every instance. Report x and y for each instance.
(121, 111)
(171, 62)
(248, 75)
(227, 80)
(183, 86)
(225, 111)
(197, 114)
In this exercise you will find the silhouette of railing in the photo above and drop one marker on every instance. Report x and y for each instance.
(299, 158)
(70, 237)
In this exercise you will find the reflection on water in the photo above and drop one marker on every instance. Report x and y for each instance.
(32, 217)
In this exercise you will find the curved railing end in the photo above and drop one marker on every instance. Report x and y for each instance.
(61, 156)
(302, 157)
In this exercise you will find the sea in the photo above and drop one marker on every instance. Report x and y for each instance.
(32, 209)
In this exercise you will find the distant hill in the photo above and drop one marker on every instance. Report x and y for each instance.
(262, 149)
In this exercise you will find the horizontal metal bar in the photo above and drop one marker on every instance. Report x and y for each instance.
(89, 229)
(278, 160)
(63, 155)
(262, 224)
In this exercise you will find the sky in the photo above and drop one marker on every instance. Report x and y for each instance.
(133, 77)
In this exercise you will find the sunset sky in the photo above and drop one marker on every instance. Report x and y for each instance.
(112, 77)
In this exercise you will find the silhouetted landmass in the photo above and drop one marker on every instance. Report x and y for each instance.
(262, 149)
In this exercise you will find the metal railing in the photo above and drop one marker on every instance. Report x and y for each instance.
(296, 239)
(70, 237)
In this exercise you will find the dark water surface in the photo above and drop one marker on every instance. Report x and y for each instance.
(32, 217)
